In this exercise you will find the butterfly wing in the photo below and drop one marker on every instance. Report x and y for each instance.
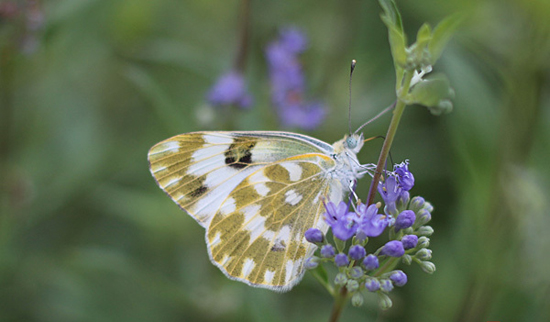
(255, 192)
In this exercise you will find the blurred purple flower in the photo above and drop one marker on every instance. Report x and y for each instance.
(288, 82)
(230, 89)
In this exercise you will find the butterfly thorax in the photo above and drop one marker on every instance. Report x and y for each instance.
(347, 168)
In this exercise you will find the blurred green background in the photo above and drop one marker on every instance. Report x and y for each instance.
(88, 86)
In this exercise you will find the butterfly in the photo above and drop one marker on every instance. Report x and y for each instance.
(256, 193)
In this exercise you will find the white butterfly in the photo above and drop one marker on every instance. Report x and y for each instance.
(256, 193)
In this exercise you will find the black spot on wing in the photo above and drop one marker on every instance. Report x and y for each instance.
(198, 192)
(239, 154)
(279, 246)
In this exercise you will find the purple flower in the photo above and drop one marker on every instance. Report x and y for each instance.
(405, 220)
(314, 235)
(341, 260)
(370, 262)
(371, 224)
(399, 278)
(409, 241)
(372, 285)
(342, 222)
(327, 251)
(406, 178)
(393, 248)
(357, 252)
(389, 190)
(230, 89)
(306, 116)
(288, 81)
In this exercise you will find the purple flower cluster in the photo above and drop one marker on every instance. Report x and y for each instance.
(288, 82)
(408, 239)
(230, 89)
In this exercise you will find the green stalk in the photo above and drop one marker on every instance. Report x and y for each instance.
(340, 300)
(392, 129)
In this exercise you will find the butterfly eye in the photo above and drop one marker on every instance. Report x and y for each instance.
(351, 142)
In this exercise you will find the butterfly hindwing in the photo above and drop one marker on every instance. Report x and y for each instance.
(258, 235)
(255, 192)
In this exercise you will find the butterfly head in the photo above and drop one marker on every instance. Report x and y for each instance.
(353, 143)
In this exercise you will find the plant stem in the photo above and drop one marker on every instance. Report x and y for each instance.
(392, 129)
(340, 300)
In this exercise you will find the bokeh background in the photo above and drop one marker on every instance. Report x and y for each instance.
(88, 86)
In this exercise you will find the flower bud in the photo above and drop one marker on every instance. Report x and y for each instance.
(423, 242)
(314, 236)
(424, 217)
(399, 278)
(357, 299)
(370, 262)
(428, 206)
(340, 279)
(425, 231)
(409, 241)
(356, 272)
(417, 203)
(384, 301)
(405, 220)
(407, 259)
(357, 252)
(352, 285)
(372, 284)
(424, 254)
(341, 260)
(427, 267)
(312, 262)
(386, 285)
(393, 248)
(327, 251)
(403, 199)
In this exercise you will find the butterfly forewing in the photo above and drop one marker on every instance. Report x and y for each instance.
(255, 192)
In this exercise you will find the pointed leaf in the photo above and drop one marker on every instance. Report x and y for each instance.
(441, 35)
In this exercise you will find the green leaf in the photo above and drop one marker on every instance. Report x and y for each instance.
(340, 244)
(392, 13)
(430, 92)
(419, 48)
(441, 35)
(397, 39)
(424, 34)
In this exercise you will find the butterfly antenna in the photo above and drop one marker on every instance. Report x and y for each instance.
(387, 109)
(353, 62)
